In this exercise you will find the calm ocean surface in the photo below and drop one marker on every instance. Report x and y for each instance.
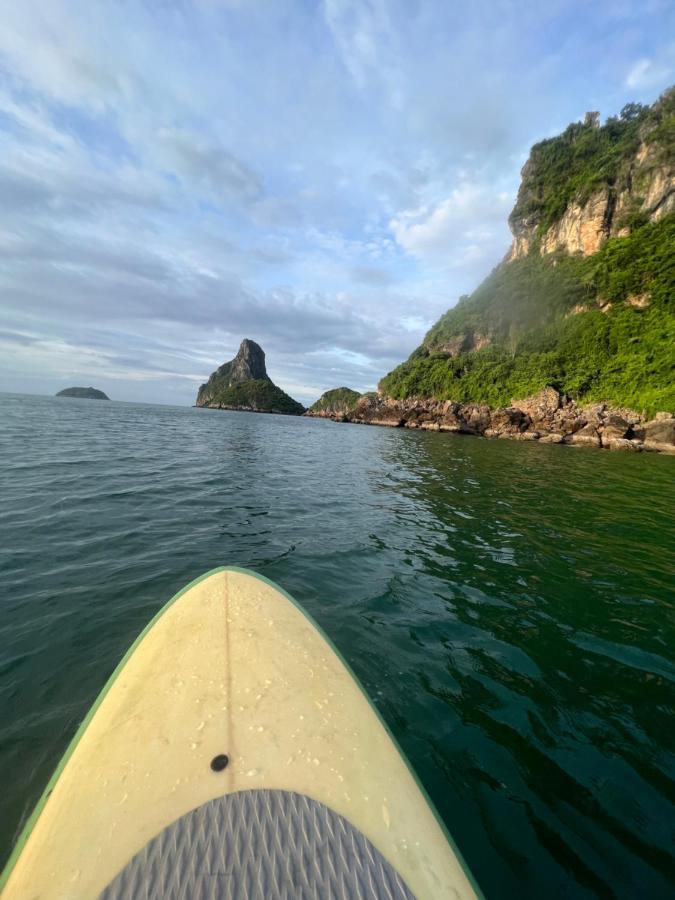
(509, 607)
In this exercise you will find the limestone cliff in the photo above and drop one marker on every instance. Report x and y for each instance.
(243, 383)
(595, 182)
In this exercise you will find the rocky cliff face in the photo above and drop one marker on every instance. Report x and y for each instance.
(249, 363)
(243, 383)
(467, 342)
(634, 185)
(583, 228)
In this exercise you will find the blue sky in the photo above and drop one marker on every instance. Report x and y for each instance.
(323, 177)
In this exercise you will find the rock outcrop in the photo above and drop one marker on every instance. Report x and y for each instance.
(243, 384)
(547, 417)
(467, 342)
(84, 393)
(640, 188)
(336, 404)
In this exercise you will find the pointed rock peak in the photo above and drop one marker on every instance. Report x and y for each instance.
(249, 363)
(243, 383)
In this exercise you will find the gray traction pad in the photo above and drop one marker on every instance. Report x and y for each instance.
(259, 845)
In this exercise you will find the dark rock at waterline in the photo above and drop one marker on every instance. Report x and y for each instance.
(659, 434)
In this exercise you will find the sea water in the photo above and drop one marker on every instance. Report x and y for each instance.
(509, 608)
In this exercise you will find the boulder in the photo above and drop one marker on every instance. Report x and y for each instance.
(614, 428)
(629, 415)
(451, 419)
(528, 436)
(476, 418)
(659, 434)
(594, 414)
(540, 407)
(509, 421)
(621, 444)
(588, 435)
(567, 421)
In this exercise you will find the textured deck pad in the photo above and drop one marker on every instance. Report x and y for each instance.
(259, 845)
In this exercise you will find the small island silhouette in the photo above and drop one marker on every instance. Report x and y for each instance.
(85, 393)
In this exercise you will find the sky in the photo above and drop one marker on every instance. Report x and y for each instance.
(325, 178)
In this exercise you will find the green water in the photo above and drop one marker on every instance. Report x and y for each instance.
(509, 607)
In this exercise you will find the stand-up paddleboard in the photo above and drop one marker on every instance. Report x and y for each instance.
(232, 754)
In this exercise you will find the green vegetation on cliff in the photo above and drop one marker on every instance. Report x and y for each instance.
(586, 157)
(338, 400)
(564, 321)
(260, 395)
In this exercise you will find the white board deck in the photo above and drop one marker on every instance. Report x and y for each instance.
(230, 666)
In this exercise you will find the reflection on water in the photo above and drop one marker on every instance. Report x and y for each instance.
(508, 606)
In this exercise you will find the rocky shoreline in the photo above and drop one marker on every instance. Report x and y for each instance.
(548, 417)
(248, 409)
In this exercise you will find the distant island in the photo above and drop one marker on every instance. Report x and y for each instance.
(243, 384)
(84, 393)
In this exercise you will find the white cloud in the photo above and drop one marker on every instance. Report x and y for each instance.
(368, 44)
(464, 227)
(206, 165)
(647, 73)
(61, 50)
